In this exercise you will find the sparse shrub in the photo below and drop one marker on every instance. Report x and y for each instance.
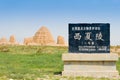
(4, 48)
(44, 49)
(118, 46)
(50, 49)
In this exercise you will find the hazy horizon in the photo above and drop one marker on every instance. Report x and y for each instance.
(23, 18)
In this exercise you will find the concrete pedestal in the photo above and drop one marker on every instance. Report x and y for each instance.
(92, 65)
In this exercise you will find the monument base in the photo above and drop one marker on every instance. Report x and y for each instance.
(90, 65)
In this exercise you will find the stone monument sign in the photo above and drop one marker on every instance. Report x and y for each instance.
(92, 42)
(89, 38)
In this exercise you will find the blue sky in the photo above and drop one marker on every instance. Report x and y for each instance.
(23, 18)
